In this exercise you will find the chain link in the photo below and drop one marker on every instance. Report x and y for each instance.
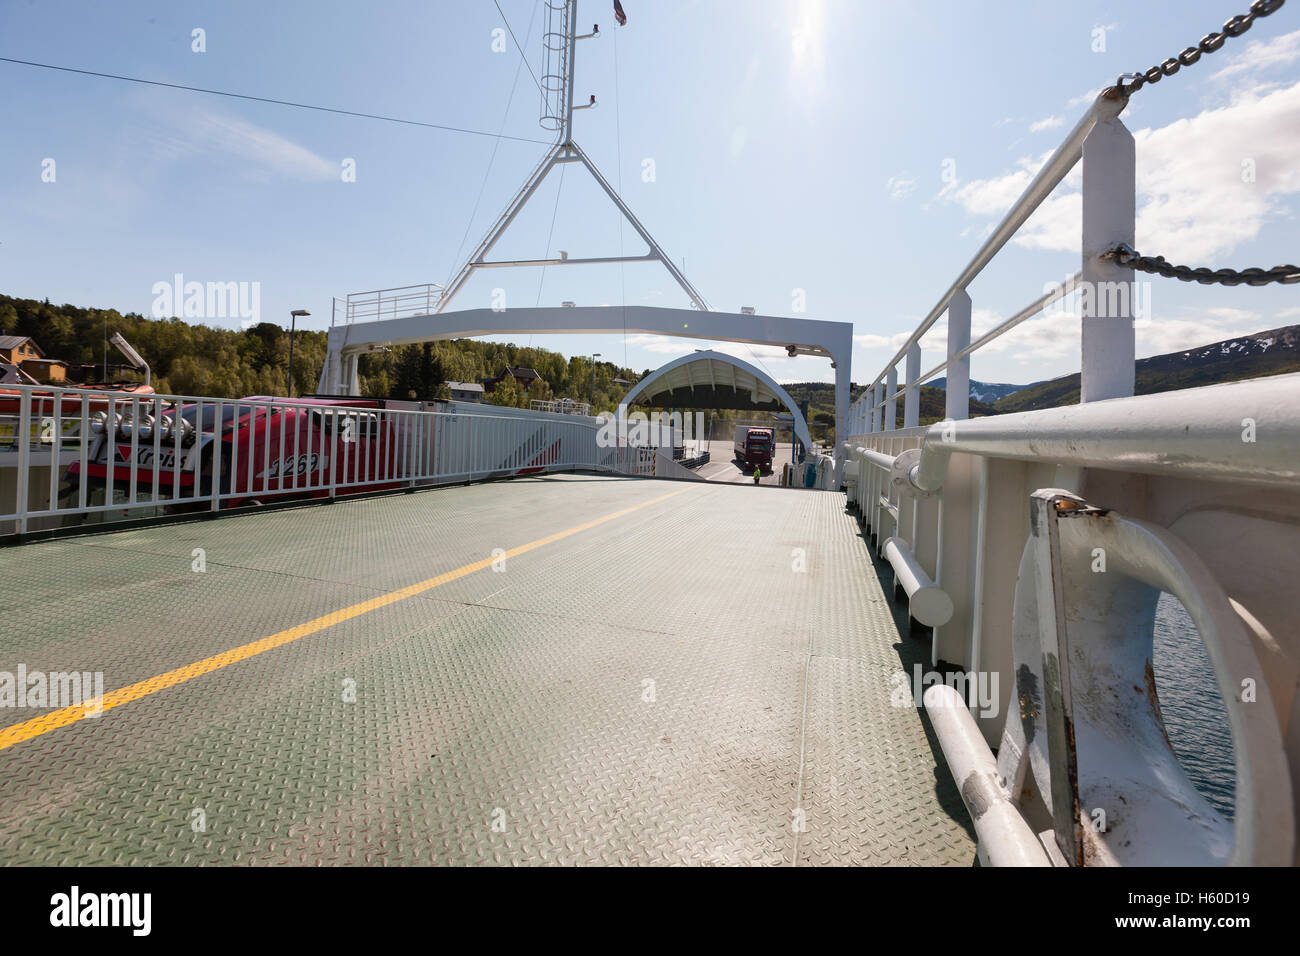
(1125, 255)
(1209, 43)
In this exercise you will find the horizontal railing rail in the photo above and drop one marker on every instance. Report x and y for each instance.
(1109, 179)
(561, 406)
(394, 303)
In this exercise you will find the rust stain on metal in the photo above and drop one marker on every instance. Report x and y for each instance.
(1028, 698)
(1073, 752)
(979, 792)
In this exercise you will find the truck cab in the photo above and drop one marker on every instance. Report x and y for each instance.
(755, 446)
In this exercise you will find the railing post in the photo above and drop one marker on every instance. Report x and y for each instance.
(957, 396)
(1106, 302)
(912, 400)
(22, 442)
(891, 403)
(334, 460)
(216, 456)
(871, 410)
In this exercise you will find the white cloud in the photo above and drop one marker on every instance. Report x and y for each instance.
(994, 196)
(1043, 339)
(661, 344)
(1083, 99)
(266, 152)
(1194, 203)
(900, 186)
(1262, 54)
(1051, 339)
(871, 341)
(1158, 336)
(1190, 175)
(1056, 224)
(1049, 122)
(1229, 314)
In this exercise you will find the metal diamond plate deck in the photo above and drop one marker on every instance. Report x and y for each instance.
(499, 718)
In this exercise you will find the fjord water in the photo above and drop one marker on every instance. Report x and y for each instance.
(1193, 711)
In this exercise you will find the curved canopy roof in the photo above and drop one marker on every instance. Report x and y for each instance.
(709, 379)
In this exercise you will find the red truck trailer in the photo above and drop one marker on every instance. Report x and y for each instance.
(755, 446)
(264, 451)
(262, 448)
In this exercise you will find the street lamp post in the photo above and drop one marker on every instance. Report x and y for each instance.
(293, 321)
(594, 356)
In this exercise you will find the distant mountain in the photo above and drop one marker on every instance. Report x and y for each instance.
(821, 397)
(1273, 352)
(987, 392)
(933, 401)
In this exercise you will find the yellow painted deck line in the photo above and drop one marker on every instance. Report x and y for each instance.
(35, 727)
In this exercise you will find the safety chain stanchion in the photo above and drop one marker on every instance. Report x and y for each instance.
(1209, 44)
(1125, 255)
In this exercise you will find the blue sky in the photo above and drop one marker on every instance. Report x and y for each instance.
(796, 146)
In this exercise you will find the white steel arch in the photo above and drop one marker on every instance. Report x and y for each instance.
(833, 340)
(761, 385)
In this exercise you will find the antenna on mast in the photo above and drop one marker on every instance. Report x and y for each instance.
(559, 46)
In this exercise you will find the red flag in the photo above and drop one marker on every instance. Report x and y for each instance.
(619, 15)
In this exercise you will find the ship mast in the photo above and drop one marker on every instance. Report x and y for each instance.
(559, 49)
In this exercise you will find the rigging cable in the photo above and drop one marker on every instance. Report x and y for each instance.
(267, 99)
(551, 232)
(519, 46)
(488, 172)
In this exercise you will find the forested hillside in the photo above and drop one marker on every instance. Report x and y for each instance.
(227, 363)
(821, 401)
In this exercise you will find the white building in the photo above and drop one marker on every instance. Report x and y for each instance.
(465, 391)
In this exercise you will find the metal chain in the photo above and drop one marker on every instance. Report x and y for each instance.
(1125, 255)
(1209, 43)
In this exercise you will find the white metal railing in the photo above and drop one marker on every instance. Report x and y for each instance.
(393, 303)
(1036, 547)
(1105, 146)
(69, 455)
(1195, 493)
(560, 406)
